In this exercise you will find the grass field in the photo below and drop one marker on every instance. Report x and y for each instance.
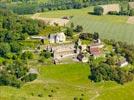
(64, 82)
(111, 27)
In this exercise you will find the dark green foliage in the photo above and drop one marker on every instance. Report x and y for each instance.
(31, 27)
(4, 48)
(69, 32)
(27, 55)
(104, 72)
(75, 98)
(113, 13)
(79, 28)
(31, 6)
(29, 77)
(50, 95)
(111, 60)
(98, 10)
(15, 47)
(11, 74)
(131, 12)
(122, 49)
(96, 36)
(86, 36)
(40, 95)
(46, 54)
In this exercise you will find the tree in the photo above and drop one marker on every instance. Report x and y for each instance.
(10, 36)
(69, 32)
(4, 48)
(27, 55)
(131, 12)
(46, 54)
(79, 28)
(105, 72)
(23, 36)
(111, 60)
(86, 36)
(96, 36)
(72, 25)
(31, 27)
(15, 47)
(98, 10)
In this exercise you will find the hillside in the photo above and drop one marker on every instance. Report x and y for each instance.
(66, 50)
(67, 82)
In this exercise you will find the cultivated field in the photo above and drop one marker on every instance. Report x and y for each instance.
(64, 82)
(130, 20)
(111, 27)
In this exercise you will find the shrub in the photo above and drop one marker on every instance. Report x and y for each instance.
(46, 54)
(98, 10)
(30, 77)
(40, 95)
(113, 13)
(131, 12)
(79, 28)
(86, 36)
(50, 95)
(75, 98)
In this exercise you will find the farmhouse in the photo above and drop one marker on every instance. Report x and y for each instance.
(110, 7)
(57, 38)
(131, 5)
(63, 51)
(95, 52)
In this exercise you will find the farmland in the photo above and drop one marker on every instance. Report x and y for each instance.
(109, 26)
(41, 59)
(66, 82)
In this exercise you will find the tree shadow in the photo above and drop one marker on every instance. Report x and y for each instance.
(91, 13)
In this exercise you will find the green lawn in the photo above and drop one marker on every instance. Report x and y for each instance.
(64, 82)
(109, 26)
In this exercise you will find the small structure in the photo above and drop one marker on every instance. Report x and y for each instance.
(131, 5)
(62, 51)
(82, 58)
(122, 62)
(38, 37)
(57, 38)
(97, 41)
(110, 7)
(95, 51)
(33, 71)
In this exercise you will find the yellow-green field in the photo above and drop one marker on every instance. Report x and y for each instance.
(109, 26)
(64, 82)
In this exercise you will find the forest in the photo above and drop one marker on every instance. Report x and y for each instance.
(13, 30)
(32, 6)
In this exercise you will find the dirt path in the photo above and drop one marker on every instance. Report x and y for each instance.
(51, 21)
(97, 95)
(130, 20)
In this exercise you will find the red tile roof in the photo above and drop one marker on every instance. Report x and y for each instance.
(95, 51)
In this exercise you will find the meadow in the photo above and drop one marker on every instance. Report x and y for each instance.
(66, 82)
(108, 26)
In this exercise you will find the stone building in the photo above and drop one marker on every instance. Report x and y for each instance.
(57, 38)
(62, 51)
